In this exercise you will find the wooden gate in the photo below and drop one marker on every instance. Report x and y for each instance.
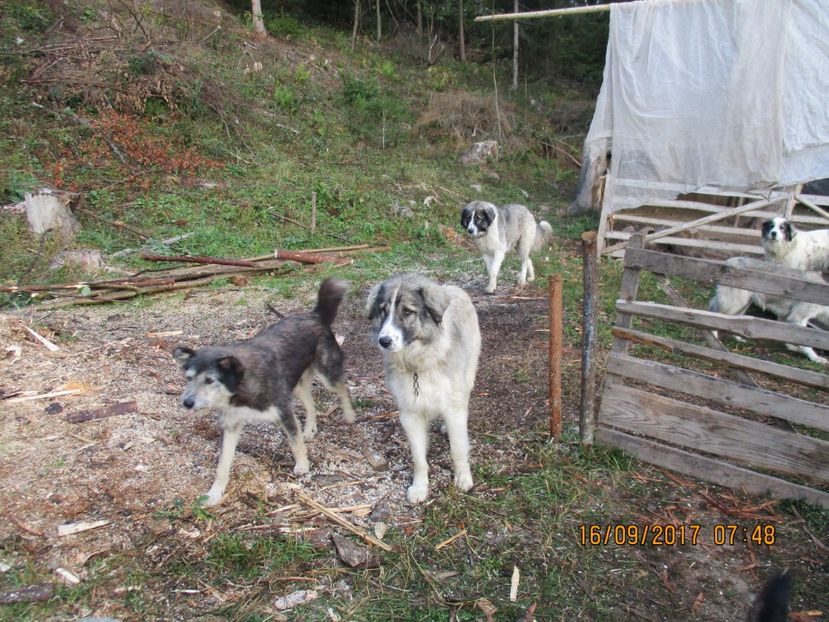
(764, 436)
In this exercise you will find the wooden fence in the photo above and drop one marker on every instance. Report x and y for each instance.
(759, 439)
(709, 223)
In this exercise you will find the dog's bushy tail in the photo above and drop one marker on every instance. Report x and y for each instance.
(543, 235)
(772, 603)
(331, 294)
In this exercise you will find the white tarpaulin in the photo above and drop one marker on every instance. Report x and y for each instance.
(726, 93)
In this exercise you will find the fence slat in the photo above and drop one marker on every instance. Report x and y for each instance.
(801, 376)
(743, 325)
(726, 436)
(709, 469)
(760, 401)
(765, 277)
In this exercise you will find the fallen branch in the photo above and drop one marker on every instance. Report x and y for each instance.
(121, 408)
(73, 528)
(43, 396)
(312, 258)
(206, 260)
(36, 593)
(330, 514)
(48, 344)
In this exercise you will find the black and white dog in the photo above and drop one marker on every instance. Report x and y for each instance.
(430, 340)
(498, 229)
(256, 379)
(787, 245)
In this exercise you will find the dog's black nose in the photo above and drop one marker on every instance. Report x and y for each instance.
(385, 341)
(188, 402)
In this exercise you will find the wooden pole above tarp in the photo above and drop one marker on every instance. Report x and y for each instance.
(596, 8)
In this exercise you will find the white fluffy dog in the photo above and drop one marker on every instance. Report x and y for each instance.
(430, 340)
(498, 229)
(787, 245)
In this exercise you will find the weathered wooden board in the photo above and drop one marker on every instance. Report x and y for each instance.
(801, 376)
(629, 288)
(759, 276)
(734, 248)
(733, 394)
(750, 235)
(720, 434)
(709, 469)
(743, 325)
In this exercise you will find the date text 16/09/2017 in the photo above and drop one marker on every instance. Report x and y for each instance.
(672, 535)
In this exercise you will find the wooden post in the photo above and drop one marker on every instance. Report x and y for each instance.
(313, 211)
(556, 339)
(587, 415)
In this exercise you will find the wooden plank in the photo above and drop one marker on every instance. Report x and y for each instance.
(817, 199)
(711, 339)
(629, 287)
(734, 211)
(800, 376)
(751, 234)
(728, 436)
(757, 276)
(758, 400)
(743, 325)
(710, 208)
(709, 469)
(734, 248)
(595, 8)
(812, 206)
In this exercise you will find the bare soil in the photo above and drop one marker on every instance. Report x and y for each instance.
(130, 469)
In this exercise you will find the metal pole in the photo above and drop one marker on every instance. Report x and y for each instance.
(587, 415)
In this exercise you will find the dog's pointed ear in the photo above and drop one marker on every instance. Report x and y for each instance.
(232, 372)
(183, 354)
(375, 300)
(435, 301)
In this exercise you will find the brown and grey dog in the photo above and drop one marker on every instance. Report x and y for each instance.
(255, 380)
(430, 340)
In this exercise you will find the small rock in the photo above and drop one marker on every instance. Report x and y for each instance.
(53, 409)
(353, 554)
(294, 599)
(404, 211)
(480, 152)
(88, 260)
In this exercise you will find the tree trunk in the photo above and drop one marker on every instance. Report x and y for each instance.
(379, 22)
(356, 27)
(258, 21)
(419, 17)
(460, 32)
(514, 86)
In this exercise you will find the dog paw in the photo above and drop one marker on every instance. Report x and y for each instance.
(308, 434)
(302, 468)
(490, 289)
(417, 494)
(349, 416)
(463, 481)
(211, 498)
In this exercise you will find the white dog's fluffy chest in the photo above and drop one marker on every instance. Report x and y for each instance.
(494, 240)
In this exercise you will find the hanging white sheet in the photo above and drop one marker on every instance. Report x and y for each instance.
(726, 93)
